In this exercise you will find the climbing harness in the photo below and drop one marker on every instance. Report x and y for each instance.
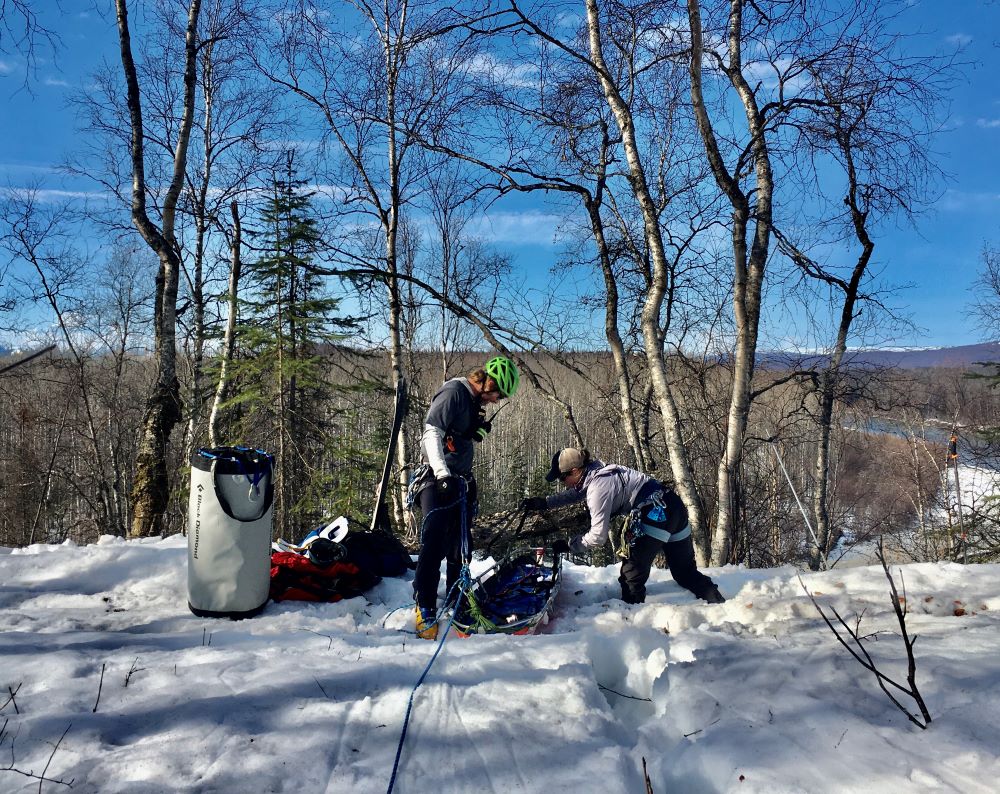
(651, 508)
(421, 478)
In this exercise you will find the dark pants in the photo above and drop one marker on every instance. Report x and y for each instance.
(441, 538)
(680, 560)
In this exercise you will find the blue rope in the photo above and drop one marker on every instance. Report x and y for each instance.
(463, 583)
(447, 600)
(409, 706)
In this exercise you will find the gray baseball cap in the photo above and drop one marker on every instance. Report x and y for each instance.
(565, 461)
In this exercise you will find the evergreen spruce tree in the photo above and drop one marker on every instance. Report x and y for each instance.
(283, 399)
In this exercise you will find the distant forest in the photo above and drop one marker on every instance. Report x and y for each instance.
(889, 448)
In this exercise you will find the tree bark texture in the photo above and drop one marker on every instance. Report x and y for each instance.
(830, 378)
(749, 256)
(163, 408)
(652, 336)
(229, 339)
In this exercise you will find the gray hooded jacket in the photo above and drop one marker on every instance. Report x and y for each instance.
(609, 490)
(452, 413)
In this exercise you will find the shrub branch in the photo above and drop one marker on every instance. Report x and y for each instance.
(857, 649)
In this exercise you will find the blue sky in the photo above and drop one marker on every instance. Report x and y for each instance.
(939, 257)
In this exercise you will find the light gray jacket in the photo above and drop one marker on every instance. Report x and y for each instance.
(609, 490)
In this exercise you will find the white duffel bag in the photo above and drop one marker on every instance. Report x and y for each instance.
(229, 532)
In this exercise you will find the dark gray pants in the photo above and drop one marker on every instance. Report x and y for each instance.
(441, 538)
(680, 560)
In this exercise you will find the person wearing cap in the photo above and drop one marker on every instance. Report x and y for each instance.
(657, 521)
(455, 421)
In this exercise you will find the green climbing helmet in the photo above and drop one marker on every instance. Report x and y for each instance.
(505, 373)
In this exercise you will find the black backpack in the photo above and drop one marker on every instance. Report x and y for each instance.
(377, 552)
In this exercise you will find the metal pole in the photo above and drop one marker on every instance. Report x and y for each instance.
(953, 458)
(822, 551)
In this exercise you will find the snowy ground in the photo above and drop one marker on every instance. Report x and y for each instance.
(979, 487)
(754, 695)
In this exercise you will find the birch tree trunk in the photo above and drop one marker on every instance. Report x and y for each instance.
(197, 277)
(749, 256)
(163, 409)
(652, 308)
(830, 377)
(229, 339)
(395, 57)
(592, 204)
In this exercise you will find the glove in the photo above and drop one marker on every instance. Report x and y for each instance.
(577, 546)
(534, 503)
(482, 429)
(560, 547)
(447, 486)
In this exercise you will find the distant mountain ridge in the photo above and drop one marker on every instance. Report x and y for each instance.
(959, 357)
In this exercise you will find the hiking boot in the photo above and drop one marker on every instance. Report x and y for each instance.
(713, 596)
(427, 624)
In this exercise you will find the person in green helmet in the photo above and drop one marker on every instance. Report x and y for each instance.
(455, 422)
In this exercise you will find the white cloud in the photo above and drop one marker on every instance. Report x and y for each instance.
(988, 124)
(965, 201)
(332, 192)
(518, 75)
(5, 68)
(30, 167)
(959, 39)
(291, 145)
(532, 227)
(54, 82)
(49, 196)
(781, 72)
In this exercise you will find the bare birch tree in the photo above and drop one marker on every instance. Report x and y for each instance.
(97, 323)
(229, 335)
(380, 77)
(163, 410)
(750, 230)
(872, 117)
(238, 117)
(618, 89)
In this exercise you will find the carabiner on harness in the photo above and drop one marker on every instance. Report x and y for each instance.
(653, 509)
(422, 477)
